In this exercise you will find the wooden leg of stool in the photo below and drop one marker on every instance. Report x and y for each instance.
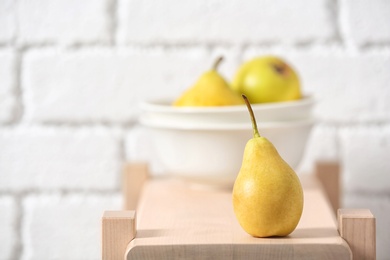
(118, 229)
(328, 173)
(134, 176)
(357, 228)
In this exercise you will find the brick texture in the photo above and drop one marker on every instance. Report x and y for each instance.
(365, 153)
(7, 21)
(7, 85)
(321, 146)
(103, 85)
(8, 220)
(349, 88)
(58, 159)
(140, 148)
(63, 21)
(367, 22)
(223, 21)
(64, 227)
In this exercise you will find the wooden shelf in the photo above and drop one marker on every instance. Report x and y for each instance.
(177, 219)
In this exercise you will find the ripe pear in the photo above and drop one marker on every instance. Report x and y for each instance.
(211, 89)
(267, 79)
(267, 193)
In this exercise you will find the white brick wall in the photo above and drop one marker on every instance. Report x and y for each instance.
(7, 85)
(365, 155)
(56, 158)
(7, 20)
(223, 21)
(349, 88)
(366, 22)
(72, 74)
(8, 222)
(321, 146)
(59, 226)
(63, 21)
(103, 85)
(138, 147)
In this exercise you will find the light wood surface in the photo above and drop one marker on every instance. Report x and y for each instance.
(118, 229)
(181, 220)
(357, 227)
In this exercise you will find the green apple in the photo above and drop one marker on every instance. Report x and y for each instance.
(267, 79)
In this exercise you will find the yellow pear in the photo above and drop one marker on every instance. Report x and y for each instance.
(267, 193)
(211, 89)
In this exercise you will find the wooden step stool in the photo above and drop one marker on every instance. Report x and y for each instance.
(176, 219)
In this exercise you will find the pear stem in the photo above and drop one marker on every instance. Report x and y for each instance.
(217, 62)
(253, 119)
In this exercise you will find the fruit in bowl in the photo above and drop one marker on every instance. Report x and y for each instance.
(211, 89)
(201, 134)
(267, 79)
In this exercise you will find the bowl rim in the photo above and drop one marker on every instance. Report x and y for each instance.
(163, 105)
(227, 126)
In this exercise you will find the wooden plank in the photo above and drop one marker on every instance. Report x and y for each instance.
(181, 220)
(357, 227)
(328, 173)
(118, 229)
(134, 176)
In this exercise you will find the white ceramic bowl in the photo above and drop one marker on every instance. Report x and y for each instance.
(161, 112)
(213, 153)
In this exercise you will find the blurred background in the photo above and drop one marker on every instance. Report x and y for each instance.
(73, 72)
